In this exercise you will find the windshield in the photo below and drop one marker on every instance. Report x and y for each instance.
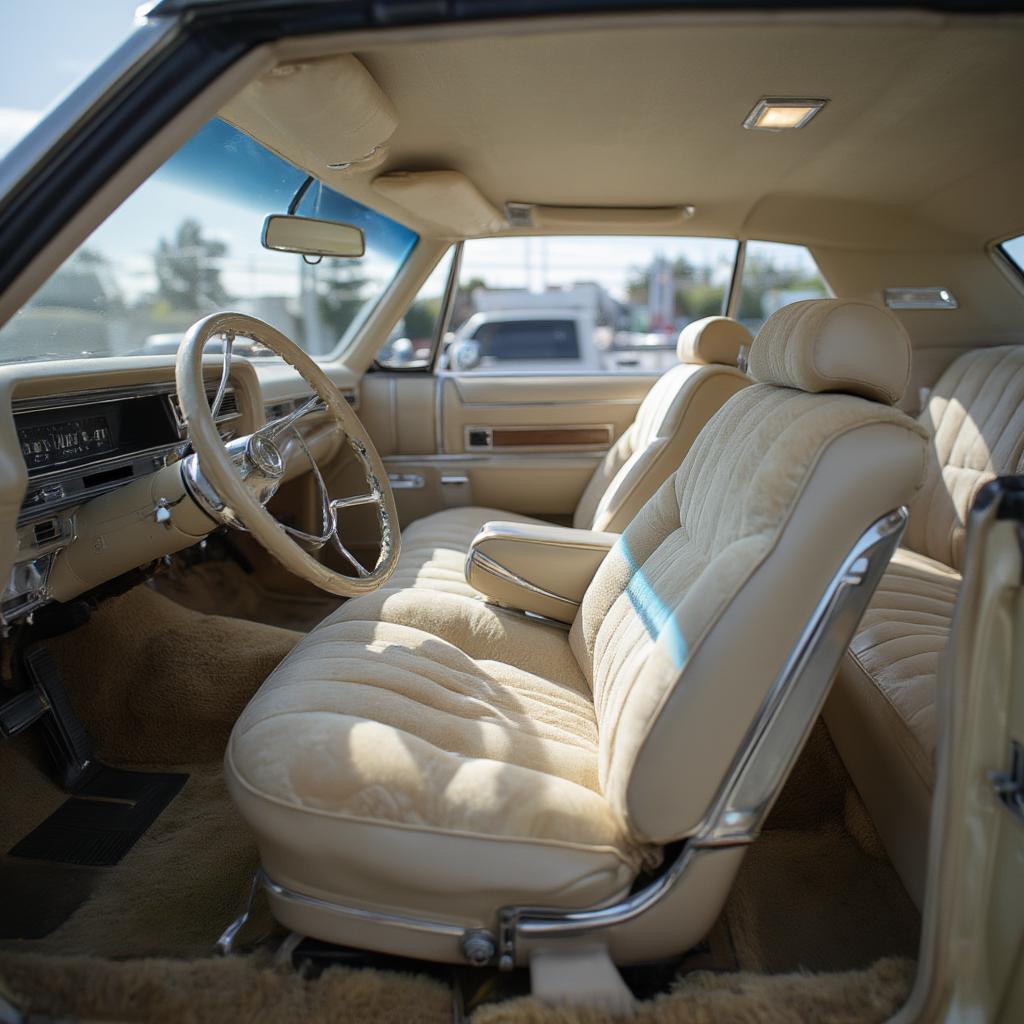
(187, 243)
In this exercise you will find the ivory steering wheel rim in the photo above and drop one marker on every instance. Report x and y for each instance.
(221, 473)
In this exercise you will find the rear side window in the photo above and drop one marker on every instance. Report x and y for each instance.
(1013, 250)
(528, 339)
(774, 275)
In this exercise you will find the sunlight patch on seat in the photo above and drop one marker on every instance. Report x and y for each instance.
(657, 617)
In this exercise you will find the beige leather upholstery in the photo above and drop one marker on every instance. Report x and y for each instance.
(715, 339)
(882, 710)
(540, 569)
(647, 452)
(427, 754)
(858, 348)
(975, 416)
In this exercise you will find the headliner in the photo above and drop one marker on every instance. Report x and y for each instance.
(921, 142)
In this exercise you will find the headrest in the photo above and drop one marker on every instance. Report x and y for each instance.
(834, 345)
(715, 339)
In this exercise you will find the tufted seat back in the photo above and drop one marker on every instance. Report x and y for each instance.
(671, 415)
(975, 416)
(691, 617)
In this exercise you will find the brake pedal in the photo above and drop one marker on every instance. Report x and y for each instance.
(46, 701)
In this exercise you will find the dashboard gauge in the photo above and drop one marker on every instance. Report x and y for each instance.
(56, 444)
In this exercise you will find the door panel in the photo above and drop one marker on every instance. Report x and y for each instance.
(546, 436)
(599, 405)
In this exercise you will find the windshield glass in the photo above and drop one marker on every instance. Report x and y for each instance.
(187, 243)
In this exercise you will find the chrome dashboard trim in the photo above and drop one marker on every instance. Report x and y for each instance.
(148, 459)
(93, 396)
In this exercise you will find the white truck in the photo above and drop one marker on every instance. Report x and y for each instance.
(536, 340)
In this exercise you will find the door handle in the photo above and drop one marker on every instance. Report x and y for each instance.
(406, 481)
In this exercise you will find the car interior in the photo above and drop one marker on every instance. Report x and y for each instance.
(350, 674)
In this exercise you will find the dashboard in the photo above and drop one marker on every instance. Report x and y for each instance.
(77, 446)
(80, 445)
(83, 430)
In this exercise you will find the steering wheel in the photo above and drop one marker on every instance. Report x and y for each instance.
(233, 482)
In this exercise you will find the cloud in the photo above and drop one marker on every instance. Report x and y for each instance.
(15, 124)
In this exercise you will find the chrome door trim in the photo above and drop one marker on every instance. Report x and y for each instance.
(484, 456)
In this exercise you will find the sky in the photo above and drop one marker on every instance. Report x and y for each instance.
(47, 46)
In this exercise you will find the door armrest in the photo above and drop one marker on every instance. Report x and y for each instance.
(540, 569)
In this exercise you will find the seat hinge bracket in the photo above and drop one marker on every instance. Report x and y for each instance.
(1009, 785)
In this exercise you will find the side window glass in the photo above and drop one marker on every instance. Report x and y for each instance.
(774, 275)
(581, 304)
(410, 343)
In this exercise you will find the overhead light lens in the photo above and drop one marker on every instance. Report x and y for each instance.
(779, 115)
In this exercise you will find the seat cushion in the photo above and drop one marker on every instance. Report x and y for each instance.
(434, 548)
(377, 736)
(882, 713)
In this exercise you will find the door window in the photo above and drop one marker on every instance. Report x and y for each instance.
(410, 345)
(774, 275)
(582, 304)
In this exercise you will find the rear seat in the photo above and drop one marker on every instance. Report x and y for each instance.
(882, 709)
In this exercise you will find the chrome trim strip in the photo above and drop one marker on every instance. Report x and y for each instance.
(439, 415)
(530, 404)
(358, 914)
(765, 756)
(94, 396)
(487, 564)
(484, 456)
(510, 531)
(98, 465)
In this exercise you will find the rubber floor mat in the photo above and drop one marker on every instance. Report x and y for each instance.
(38, 898)
(99, 824)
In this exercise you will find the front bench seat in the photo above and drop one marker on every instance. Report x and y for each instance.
(668, 420)
(420, 761)
(882, 712)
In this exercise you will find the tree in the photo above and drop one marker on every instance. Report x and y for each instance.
(340, 287)
(188, 269)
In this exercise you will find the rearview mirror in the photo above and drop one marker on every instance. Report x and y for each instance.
(310, 237)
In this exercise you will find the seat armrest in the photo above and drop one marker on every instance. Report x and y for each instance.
(540, 569)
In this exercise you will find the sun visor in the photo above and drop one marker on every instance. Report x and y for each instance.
(445, 200)
(324, 115)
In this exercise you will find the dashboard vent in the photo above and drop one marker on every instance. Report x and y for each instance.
(228, 407)
(46, 532)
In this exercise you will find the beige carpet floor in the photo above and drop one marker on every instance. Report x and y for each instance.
(158, 684)
(209, 991)
(225, 588)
